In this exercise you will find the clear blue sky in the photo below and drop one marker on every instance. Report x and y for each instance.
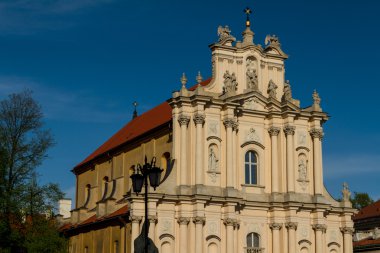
(88, 60)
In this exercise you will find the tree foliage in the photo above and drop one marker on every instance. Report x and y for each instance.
(360, 200)
(23, 202)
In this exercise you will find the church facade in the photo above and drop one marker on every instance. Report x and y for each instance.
(242, 167)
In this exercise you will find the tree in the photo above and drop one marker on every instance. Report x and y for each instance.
(23, 146)
(360, 200)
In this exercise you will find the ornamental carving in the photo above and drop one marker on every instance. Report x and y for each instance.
(183, 120)
(152, 219)
(213, 227)
(301, 138)
(230, 83)
(199, 119)
(251, 104)
(251, 135)
(229, 123)
(273, 131)
(275, 226)
(272, 87)
(316, 133)
(135, 219)
(166, 226)
(213, 128)
(199, 220)
(229, 221)
(291, 225)
(347, 230)
(183, 220)
(320, 227)
(289, 130)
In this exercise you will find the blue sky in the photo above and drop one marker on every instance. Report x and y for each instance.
(88, 60)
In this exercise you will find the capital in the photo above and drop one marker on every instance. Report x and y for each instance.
(229, 122)
(199, 119)
(152, 219)
(273, 131)
(291, 225)
(316, 133)
(347, 230)
(183, 120)
(183, 220)
(199, 220)
(229, 221)
(135, 219)
(320, 227)
(289, 130)
(275, 226)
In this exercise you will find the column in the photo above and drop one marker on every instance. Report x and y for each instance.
(199, 221)
(183, 222)
(229, 223)
(319, 230)
(275, 236)
(199, 120)
(183, 121)
(273, 132)
(229, 124)
(135, 230)
(317, 135)
(347, 239)
(292, 227)
(152, 227)
(236, 235)
(289, 132)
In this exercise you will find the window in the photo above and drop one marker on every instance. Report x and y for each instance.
(250, 167)
(105, 187)
(87, 195)
(253, 240)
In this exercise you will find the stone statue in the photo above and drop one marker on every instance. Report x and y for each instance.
(346, 192)
(212, 160)
(230, 84)
(272, 87)
(225, 36)
(287, 92)
(316, 98)
(139, 242)
(272, 40)
(302, 170)
(252, 79)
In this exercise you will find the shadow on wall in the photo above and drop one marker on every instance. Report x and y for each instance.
(139, 242)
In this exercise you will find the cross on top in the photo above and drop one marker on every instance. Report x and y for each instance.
(248, 11)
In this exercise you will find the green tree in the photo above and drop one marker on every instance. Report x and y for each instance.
(360, 200)
(23, 146)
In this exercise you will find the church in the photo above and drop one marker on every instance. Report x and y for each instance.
(242, 167)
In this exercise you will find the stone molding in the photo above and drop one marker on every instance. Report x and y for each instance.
(183, 120)
(135, 219)
(183, 220)
(275, 226)
(199, 220)
(199, 119)
(274, 131)
(229, 221)
(320, 227)
(229, 122)
(289, 130)
(316, 133)
(291, 225)
(347, 230)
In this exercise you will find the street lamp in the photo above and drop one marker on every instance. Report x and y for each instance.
(140, 178)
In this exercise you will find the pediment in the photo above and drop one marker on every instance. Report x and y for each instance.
(275, 51)
(255, 101)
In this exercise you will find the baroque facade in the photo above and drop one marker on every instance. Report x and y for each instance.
(242, 167)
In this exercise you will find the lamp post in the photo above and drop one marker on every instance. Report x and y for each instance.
(140, 178)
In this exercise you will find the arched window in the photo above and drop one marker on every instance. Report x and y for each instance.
(105, 187)
(250, 167)
(87, 195)
(253, 240)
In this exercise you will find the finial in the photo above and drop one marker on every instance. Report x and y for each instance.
(183, 80)
(135, 104)
(199, 78)
(248, 11)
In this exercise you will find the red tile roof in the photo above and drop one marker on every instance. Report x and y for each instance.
(370, 211)
(149, 120)
(366, 242)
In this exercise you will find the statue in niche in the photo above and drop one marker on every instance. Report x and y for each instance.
(272, 87)
(212, 159)
(287, 92)
(230, 84)
(302, 170)
(251, 74)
